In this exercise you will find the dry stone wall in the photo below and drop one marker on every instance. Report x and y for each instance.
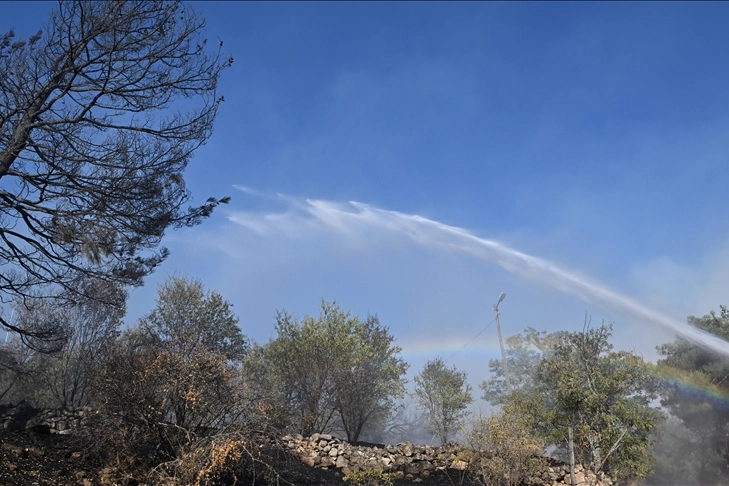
(409, 461)
(404, 460)
(25, 417)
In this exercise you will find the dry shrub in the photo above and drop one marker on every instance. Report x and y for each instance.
(369, 477)
(505, 451)
(160, 407)
(176, 406)
(225, 460)
(221, 462)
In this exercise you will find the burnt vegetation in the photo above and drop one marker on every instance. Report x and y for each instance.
(100, 112)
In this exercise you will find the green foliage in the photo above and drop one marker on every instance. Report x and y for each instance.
(701, 444)
(443, 394)
(369, 376)
(524, 352)
(186, 320)
(335, 366)
(263, 389)
(604, 395)
(370, 477)
(576, 380)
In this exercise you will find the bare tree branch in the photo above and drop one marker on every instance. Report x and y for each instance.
(100, 113)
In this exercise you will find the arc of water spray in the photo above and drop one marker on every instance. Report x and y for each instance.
(432, 233)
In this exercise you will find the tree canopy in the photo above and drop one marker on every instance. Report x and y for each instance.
(186, 319)
(100, 113)
(583, 397)
(443, 394)
(605, 397)
(335, 367)
(524, 352)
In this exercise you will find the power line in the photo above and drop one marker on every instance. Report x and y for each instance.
(471, 340)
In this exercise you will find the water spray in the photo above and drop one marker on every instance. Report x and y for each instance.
(432, 233)
(356, 219)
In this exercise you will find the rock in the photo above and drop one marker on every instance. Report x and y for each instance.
(413, 469)
(407, 449)
(458, 464)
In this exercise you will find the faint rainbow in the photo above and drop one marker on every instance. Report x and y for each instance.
(445, 348)
(694, 384)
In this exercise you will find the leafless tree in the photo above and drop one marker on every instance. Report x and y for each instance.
(100, 113)
(16, 366)
(90, 328)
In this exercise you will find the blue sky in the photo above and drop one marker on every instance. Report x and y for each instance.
(594, 135)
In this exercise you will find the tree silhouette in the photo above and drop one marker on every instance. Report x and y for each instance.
(100, 113)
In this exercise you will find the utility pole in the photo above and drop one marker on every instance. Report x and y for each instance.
(501, 343)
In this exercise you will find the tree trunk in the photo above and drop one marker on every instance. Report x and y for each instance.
(571, 446)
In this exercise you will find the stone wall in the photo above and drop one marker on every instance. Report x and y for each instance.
(404, 460)
(409, 461)
(25, 417)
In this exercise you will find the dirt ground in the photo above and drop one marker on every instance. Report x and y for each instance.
(38, 459)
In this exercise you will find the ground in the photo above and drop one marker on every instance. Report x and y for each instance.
(38, 459)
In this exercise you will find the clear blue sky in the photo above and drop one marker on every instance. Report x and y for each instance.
(595, 135)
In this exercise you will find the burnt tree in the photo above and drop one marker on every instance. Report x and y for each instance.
(100, 113)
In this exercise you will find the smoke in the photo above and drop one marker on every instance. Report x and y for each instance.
(361, 221)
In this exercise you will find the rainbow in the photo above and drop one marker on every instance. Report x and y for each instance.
(694, 384)
(445, 348)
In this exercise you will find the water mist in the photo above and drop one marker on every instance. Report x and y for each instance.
(355, 217)
(363, 220)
